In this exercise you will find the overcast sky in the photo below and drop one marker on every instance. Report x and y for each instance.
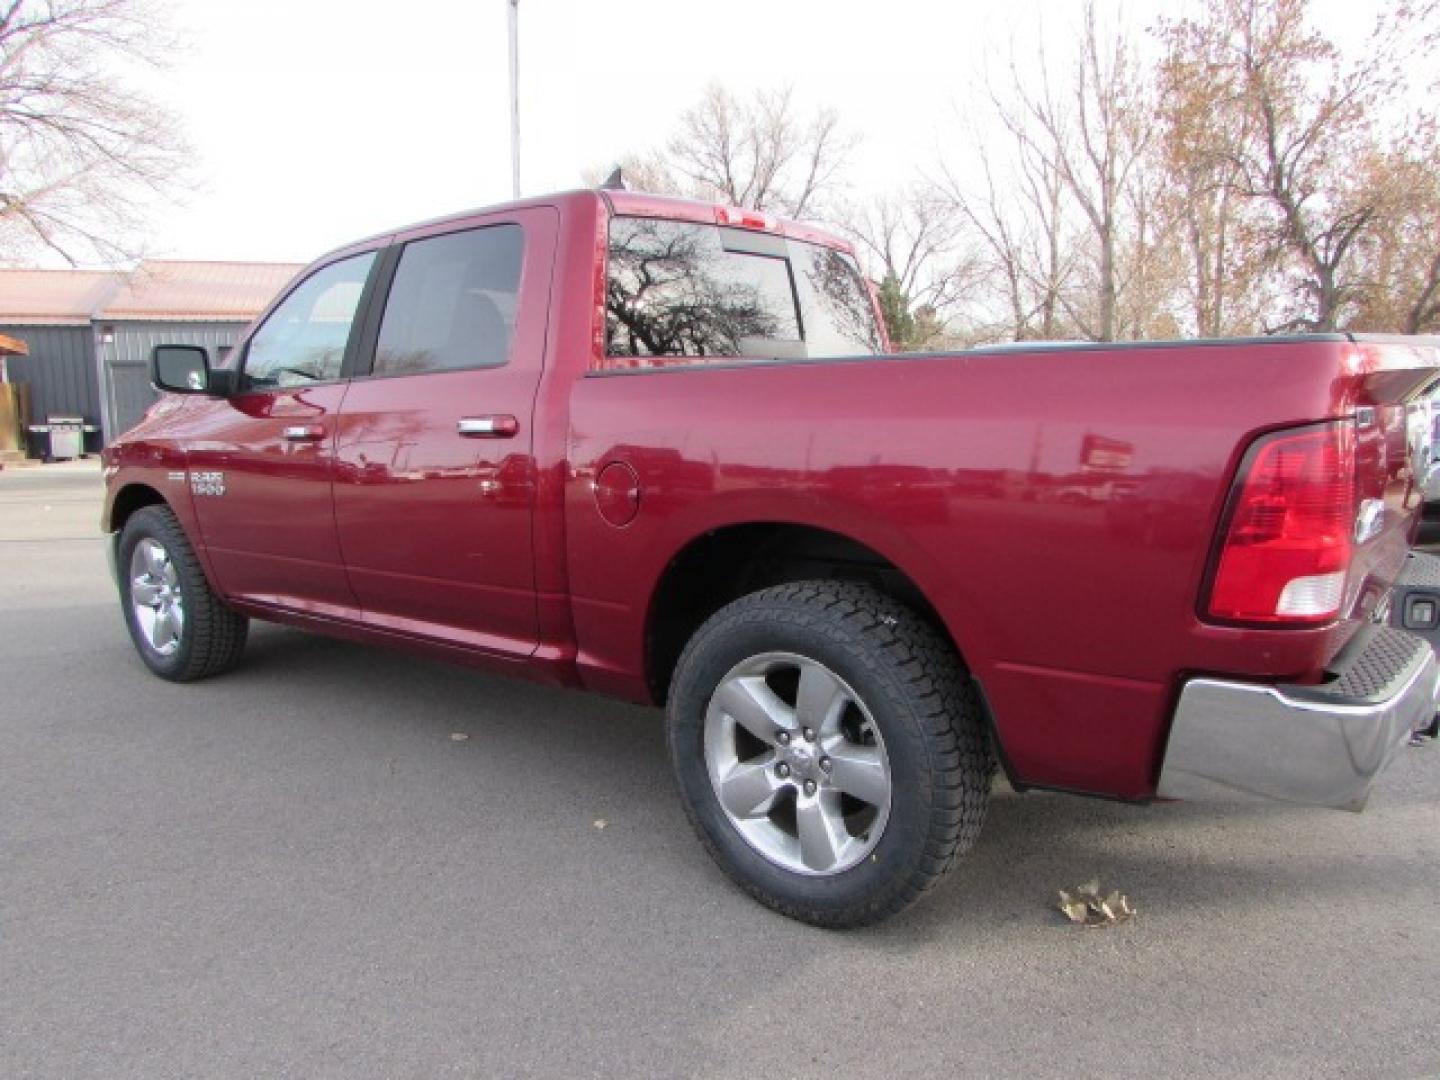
(318, 121)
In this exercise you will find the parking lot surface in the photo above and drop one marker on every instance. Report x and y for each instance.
(297, 871)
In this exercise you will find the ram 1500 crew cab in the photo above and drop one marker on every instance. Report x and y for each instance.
(656, 449)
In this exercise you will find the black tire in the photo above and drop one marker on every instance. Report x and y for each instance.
(912, 683)
(213, 636)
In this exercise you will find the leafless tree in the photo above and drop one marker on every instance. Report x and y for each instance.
(1061, 201)
(760, 153)
(640, 172)
(1093, 131)
(913, 240)
(1016, 210)
(81, 152)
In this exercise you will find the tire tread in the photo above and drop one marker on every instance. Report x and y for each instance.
(218, 633)
(940, 696)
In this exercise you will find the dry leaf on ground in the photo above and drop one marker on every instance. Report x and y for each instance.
(1087, 907)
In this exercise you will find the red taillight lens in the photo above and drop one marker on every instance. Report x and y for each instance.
(1288, 538)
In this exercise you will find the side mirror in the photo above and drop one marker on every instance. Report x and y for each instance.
(185, 369)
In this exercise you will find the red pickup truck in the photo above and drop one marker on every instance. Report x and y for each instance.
(655, 448)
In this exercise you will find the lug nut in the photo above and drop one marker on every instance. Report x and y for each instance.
(783, 738)
(809, 787)
(826, 764)
(809, 734)
(782, 770)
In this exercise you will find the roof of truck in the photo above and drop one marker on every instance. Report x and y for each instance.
(641, 204)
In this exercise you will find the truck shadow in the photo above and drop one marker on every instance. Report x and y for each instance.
(1175, 858)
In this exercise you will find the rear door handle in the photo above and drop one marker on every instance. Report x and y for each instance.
(496, 426)
(304, 433)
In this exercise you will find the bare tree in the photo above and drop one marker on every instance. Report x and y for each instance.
(81, 152)
(640, 172)
(759, 153)
(1073, 234)
(1072, 228)
(919, 250)
(1016, 210)
(1094, 133)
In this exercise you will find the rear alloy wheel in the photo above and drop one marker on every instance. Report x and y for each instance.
(797, 763)
(829, 749)
(180, 626)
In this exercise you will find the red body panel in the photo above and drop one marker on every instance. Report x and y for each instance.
(1069, 585)
(271, 535)
(436, 527)
(1057, 508)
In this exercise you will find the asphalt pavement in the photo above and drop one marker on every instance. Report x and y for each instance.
(297, 870)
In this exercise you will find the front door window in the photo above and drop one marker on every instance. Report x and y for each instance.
(303, 340)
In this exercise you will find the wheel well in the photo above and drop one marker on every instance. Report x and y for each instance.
(130, 498)
(728, 563)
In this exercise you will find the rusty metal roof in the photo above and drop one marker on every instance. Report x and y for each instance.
(157, 289)
(166, 289)
(52, 297)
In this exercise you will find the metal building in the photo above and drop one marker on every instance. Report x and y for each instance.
(49, 311)
(90, 334)
(172, 303)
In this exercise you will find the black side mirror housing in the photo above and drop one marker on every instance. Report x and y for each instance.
(185, 369)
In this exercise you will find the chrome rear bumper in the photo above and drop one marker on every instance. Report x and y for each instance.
(1318, 745)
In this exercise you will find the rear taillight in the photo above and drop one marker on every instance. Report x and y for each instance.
(1288, 529)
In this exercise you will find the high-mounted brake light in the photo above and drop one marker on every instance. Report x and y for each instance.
(1288, 530)
(745, 219)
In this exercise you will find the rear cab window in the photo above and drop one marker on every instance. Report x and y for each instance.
(679, 291)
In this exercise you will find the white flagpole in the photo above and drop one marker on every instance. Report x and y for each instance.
(513, 6)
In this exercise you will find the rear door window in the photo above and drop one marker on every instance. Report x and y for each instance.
(452, 302)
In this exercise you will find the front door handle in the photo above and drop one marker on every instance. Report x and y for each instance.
(304, 433)
(495, 426)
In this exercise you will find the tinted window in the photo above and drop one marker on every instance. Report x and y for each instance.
(839, 316)
(674, 289)
(452, 304)
(304, 339)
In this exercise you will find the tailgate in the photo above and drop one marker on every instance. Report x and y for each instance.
(1394, 383)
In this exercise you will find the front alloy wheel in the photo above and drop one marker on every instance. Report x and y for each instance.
(156, 597)
(181, 628)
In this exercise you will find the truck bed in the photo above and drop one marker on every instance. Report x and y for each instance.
(1033, 497)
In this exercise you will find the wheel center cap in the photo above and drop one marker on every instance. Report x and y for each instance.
(802, 759)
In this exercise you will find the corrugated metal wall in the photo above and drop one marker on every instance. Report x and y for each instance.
(126, 362)
(64, 377)
(60, 371)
